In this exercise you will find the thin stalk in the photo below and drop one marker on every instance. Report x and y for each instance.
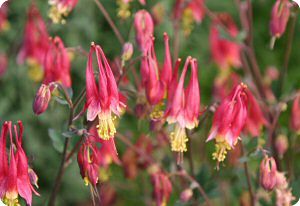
(110, 21)
(61, 169)
(246, 168)
(287, 55)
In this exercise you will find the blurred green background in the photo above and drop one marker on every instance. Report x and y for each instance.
(86, 24)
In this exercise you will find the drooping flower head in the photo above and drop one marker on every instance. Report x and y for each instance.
(103, 100)
(162, 187)
(183, 107)
(14, 170)
(95, 154)
(156, 79)
(133, 161)
(255, 118)
(229, 120)
(295, 115)
(280, 17)
(35, 43)
(194, 12)
(268, 171)
(225, 52)
(144, 29)
(57, 63)
(60, 9)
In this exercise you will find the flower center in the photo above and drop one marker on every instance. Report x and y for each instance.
(157, 112)
(178, 139)
(106, 127)
(221, 147)
(57, 12)
(11, 199)
(123, 9)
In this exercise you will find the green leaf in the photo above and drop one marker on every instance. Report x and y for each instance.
(57, 140)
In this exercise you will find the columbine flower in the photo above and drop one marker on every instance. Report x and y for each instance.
(103, 100)
(144, 28)
(225, 52)
(133, 161)
(183, 106)
(14, 173)
(42, 99)
(57, 63)
(228, 122)
(154, 79)
(35, 44)
(88, 161)
(295, 115)
(279, 17)
(162, 187)
(60, 9)
(194, 12)
(95, 154)
(255, 117)
(268, 170)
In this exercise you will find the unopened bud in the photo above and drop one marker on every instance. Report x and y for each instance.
(42, 99)
(268, 171)
(281, 145)
(186, 195)
(127, 51)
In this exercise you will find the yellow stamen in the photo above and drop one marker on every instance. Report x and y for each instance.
(157, 112)
(106, 127)
(11, 199)
(123, 9)
(187, 21)
(57, 13)
(35, 71)
(221, 149)
(178, 139)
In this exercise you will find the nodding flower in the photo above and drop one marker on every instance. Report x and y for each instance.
(279, 17)
(102, 100)
(268, 170)
(94, 154)
(155, 79)
(162, 187)
(229, 120)
(34, 47)
(183, 107)
(225, 52)
(14, 171)
(57, 63)
(255, 118)
(144, 29)
(60, 9)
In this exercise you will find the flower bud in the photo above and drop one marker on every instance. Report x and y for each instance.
(127, 51)
(281, 145)
(295, 114)
(144, 28)
(186, 195)
(268, 171)
(42, 99)
(279, 17)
